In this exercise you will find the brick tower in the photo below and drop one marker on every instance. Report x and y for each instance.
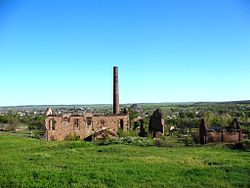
(116, 109)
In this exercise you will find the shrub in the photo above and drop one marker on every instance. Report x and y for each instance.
(195, 137)
(121, 133)
(244, 145)
(35, 134)
(12, 127)
(130, 140)
(72, 137)
(186, 139)
(161, 143)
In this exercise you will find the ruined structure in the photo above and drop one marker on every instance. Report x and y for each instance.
(230, 134)
(87, 125)
(156, 124)
(48, 112)
(138, 122)
(58, 127)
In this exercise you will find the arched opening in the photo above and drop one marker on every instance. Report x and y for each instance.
(77, 123)
(89, 121)
(65, 121)
(52, 124)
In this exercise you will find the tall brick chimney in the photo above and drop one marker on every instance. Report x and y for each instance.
(116, 109)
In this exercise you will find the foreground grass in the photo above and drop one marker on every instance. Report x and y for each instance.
(26, 162)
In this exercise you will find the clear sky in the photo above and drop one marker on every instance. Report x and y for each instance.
(62, 51)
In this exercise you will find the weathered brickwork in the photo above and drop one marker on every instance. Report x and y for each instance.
(231, 134)
(58, 127)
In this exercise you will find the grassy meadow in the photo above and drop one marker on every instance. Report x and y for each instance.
(29, 162)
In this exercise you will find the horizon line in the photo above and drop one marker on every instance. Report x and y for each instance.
(130, 103)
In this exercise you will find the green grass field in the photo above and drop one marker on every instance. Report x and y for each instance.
(27, 162)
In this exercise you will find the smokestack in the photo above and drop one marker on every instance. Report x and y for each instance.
(116, 109)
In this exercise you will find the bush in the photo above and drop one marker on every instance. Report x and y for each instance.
(121, 133)
(130, 140)
(186, 139)
(195, 137)
(35, 122)
(12, 127)
(72, 137)
(130, 133)
(244, 145)
(36, 134)
(161, 143)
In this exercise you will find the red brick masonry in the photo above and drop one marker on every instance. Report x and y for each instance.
(230, 134)
(58, 127)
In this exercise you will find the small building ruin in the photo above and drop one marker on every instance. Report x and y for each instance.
(139, 123)
(156, 123)
(230, 134)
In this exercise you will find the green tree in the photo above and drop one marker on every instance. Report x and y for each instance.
(226, 119)
(13, 121)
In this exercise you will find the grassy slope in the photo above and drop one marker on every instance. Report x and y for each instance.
(32, 162)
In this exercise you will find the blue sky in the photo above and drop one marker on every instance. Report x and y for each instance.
(62, 52)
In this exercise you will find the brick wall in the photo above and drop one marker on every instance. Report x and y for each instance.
(231, 136)
(82, 125)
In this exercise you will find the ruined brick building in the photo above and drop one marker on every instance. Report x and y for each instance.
(87, 125)
(155, 127)
(156, 123)
(230, 134)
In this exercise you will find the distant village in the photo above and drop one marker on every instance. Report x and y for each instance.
(81, 109)
(40, 110)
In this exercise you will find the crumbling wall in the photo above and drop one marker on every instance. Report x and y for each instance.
(230, 134)
(58, 127)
